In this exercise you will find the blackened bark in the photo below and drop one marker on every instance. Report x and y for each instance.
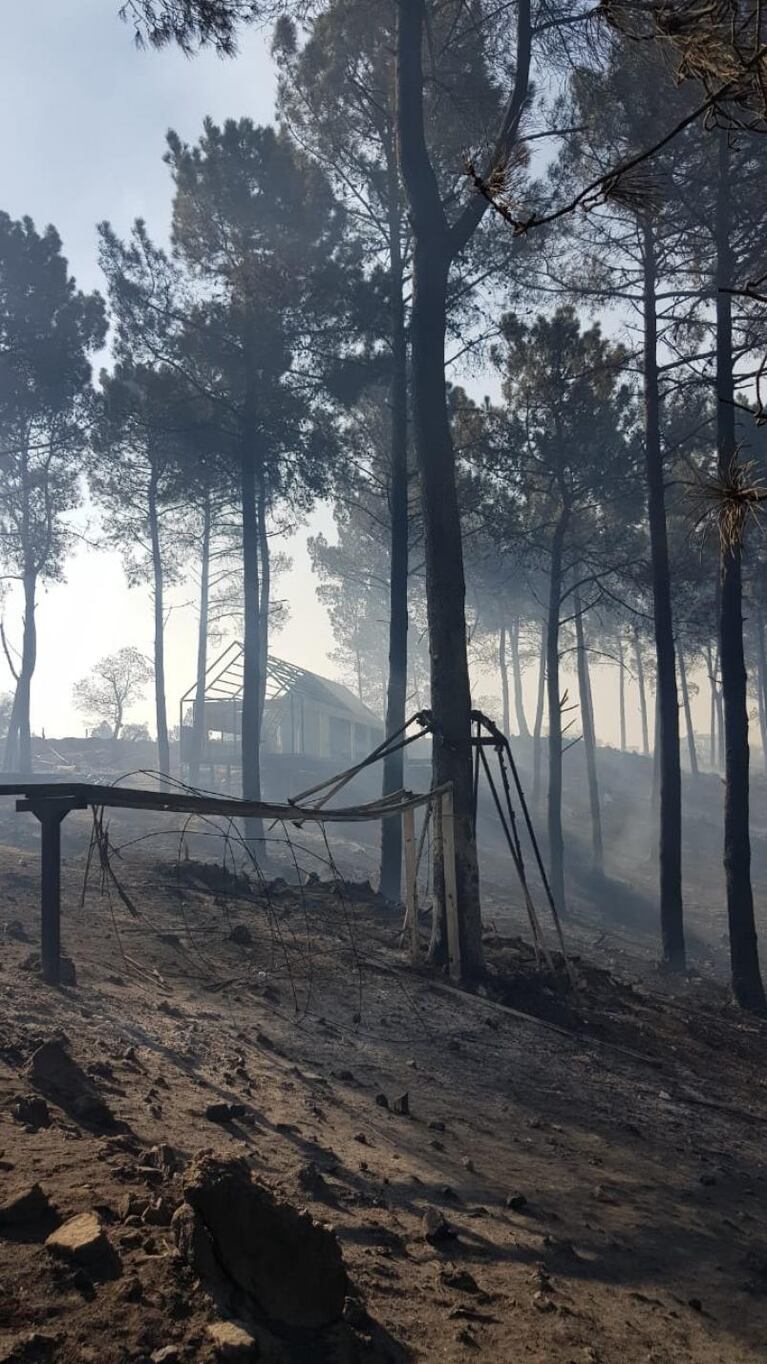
(18, 752)
(589, 735)
(158, 588)
(670, 776)
(744, 953)
(264, 599)
(18, 749)
(622, 695)
(712, 730)
(503, 668)
(11, 746)
(639, 665)
(712, 667)
(516, 671)
(656, 754)
(761, 663)
(687, 714)
(200, 731)
(396, 691)
(436, 245)
(539, 708)
(251, 649)
(443, 549)
(556, 839)
(762, 715)
(445, 588)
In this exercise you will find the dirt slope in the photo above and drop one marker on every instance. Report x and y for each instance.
(589, 1192)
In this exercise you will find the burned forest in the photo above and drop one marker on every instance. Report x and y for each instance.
(383, 682)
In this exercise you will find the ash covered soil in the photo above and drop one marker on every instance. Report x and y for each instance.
(524, 1174)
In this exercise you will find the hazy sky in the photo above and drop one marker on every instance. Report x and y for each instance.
(85, 115)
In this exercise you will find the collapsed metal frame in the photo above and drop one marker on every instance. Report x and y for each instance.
(484, 734)
(51, 802)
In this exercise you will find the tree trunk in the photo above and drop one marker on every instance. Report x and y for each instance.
(762, 716)
(445, 588)
(11, 747)
(712, 709)
(435, 245)
(516, 667)
(396, 691)
(504, 671)
(622, 694)
(687, 714)
(639, 665)
(656, 754)
(251, 652)
(761, 658)
(161, 714)
(18, 748)
(264, 600)
(720, 741)
(200, 731)
(589, 736)
(671, 909)
(538, 726)
(556, 839)
(744, 953)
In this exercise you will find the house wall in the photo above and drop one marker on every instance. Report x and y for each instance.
(292, 725)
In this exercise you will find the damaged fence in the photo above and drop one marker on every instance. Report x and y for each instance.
(52, 802)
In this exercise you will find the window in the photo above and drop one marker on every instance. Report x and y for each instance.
(340, 738)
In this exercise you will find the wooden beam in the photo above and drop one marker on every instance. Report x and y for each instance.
(82, 794)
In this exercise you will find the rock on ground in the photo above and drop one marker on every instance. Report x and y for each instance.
(233, 1342)
(27, 1207)
(82, 1241)
(275, 1260)
(54, 1072)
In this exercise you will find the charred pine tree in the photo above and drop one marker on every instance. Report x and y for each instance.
(50, 329)
(589, 735)
(251, 646)
(669, 769)
(642, 689)
(744, 953)
(761, 664)
(554, 697)
(396, 691)
(516, 670)
(691, 749)
(621, 694)
(200, 729)
(437, 244)
(539, 709)
(158, 604)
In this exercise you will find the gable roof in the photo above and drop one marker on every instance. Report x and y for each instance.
(224, 681)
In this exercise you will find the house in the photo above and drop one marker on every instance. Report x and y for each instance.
(304, 714)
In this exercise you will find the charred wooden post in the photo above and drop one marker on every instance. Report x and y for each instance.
(50, 811)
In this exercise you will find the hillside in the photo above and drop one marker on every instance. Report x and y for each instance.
(576, 1178)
